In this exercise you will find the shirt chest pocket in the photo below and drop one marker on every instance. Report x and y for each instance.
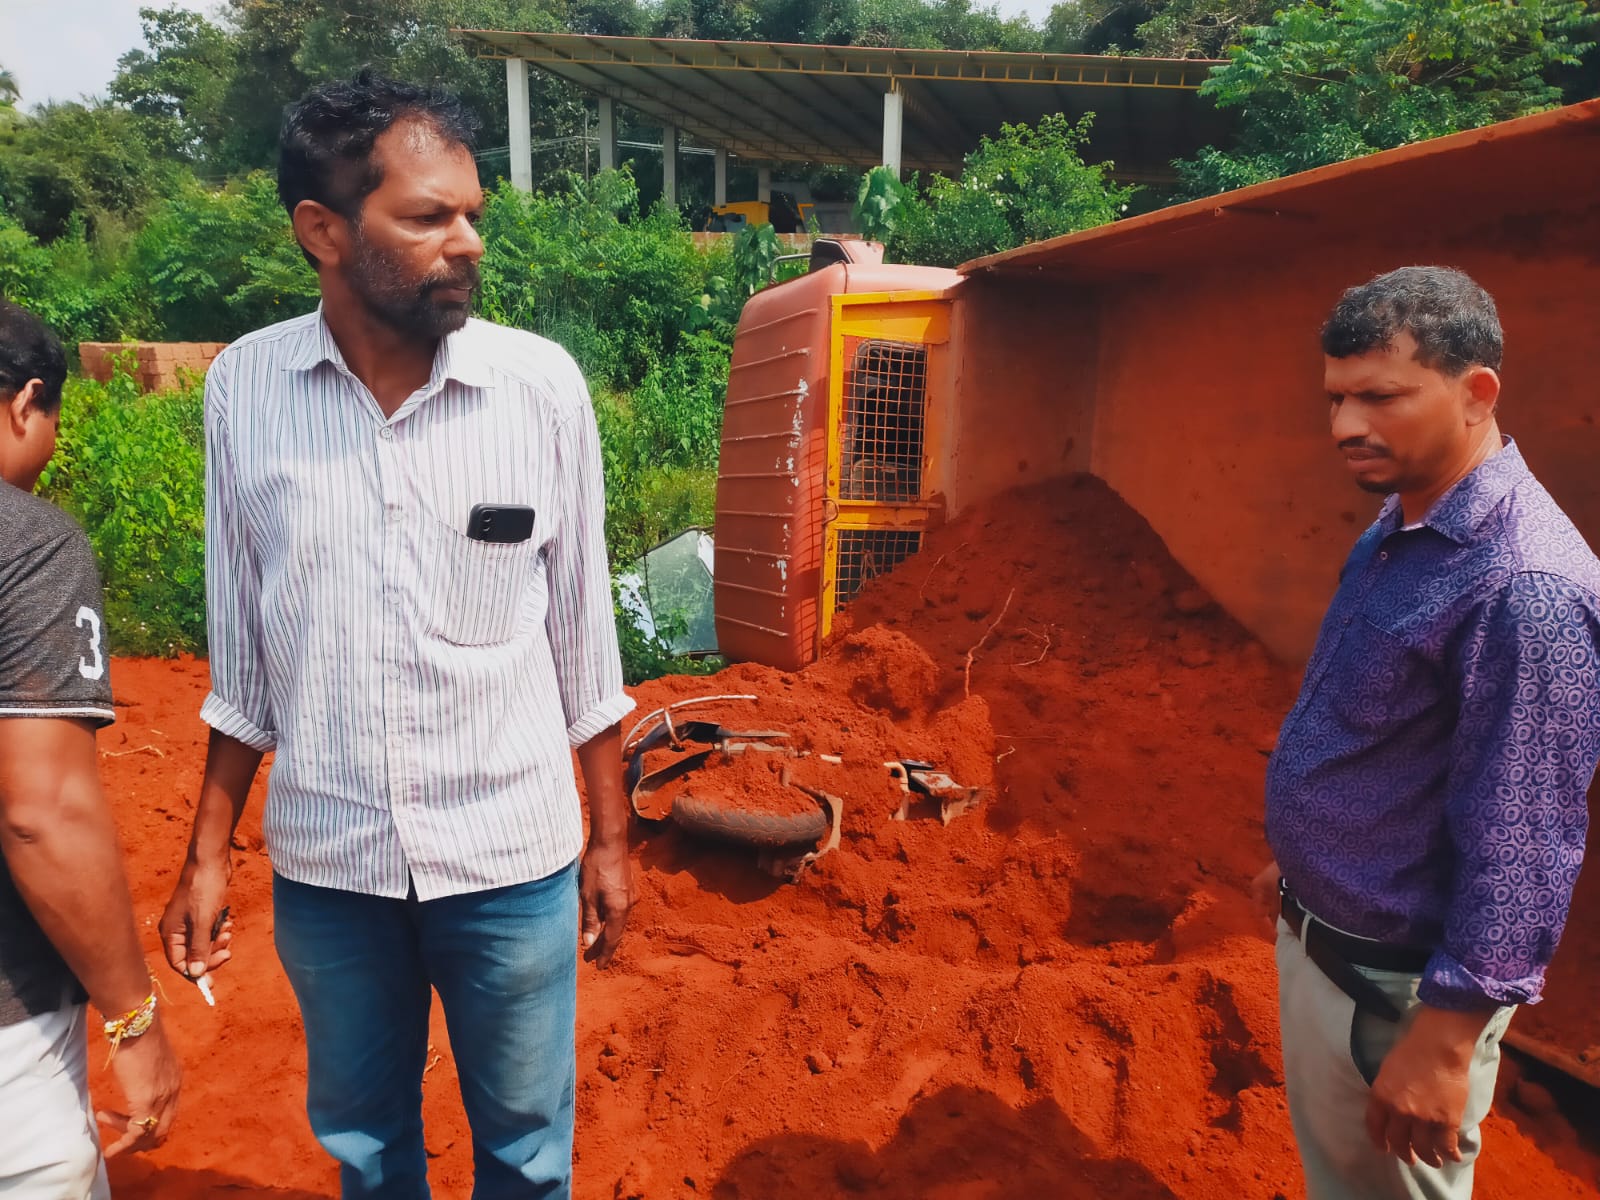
(475, 593)
(1377, 680)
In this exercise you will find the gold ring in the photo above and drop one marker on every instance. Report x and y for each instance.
(149, 1124)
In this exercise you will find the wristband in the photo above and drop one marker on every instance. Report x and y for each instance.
(133, 1023)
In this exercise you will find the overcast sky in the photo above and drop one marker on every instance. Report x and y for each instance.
(64, 49)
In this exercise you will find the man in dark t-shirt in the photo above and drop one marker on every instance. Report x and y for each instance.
(67, 931)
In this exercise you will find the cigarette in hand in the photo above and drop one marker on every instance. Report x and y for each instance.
(204, 982)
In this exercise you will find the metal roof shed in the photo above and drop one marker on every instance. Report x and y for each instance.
(862, 105)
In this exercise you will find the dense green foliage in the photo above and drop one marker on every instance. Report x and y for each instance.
(218, 263)
(1160, 28)
(131, 468)
(583, 266)
(1330, 81)
(1027, 184)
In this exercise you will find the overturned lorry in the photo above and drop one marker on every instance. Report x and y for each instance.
(1173, 355)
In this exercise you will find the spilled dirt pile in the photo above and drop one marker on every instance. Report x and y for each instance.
(1062, 993)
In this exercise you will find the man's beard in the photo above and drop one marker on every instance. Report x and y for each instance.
(409, 307)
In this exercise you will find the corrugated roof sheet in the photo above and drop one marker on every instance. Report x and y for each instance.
(780, 102)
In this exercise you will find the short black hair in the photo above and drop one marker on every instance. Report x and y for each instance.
(325, 144)
(1453, 320)
(28, 350)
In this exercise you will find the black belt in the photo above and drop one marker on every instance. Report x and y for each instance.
(1338, 955)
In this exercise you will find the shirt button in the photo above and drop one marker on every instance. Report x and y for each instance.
(393, 672)
(386, 434)
(396, 516)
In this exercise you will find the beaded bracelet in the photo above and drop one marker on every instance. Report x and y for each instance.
(134, 1023)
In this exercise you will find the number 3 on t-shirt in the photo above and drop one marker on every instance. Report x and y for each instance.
(91, 670)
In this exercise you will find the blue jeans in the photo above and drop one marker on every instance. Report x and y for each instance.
(504, 962)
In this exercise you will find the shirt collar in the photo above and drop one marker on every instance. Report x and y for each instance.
(1459, 512)
(458, 358)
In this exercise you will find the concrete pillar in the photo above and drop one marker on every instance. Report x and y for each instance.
(894, 115)
(669, 164)
(519, 119)
(606, 128)
(720, 161)
(764, 184)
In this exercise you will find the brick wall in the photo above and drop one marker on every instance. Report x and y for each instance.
(157, 366)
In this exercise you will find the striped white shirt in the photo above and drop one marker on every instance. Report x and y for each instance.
(422, 690)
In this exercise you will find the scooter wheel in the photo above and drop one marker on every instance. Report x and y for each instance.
(721, 818)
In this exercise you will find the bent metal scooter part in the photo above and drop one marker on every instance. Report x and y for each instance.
(714, 815)
(923, 780)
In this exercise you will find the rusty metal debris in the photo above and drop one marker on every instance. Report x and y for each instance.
(792, 867)
(659, 730)
(923, 780)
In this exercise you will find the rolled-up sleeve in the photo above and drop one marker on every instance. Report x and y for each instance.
(581, 620)
(240, 703)
(1523, 754)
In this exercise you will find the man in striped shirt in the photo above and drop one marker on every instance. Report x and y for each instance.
(420, 675)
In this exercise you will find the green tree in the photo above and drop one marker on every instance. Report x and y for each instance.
(718, 20)
(1332, 81)
(10, 93)
(607, 18)
(1027, 184)
(80, 288)
(942, 24)
(219, 263)
(581, 264)
(1161, 28)
(284, 47)
(815, 22)
(180, 78)
(1199, 28)
(94, 161)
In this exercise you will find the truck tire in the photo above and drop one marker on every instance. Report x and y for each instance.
(721, 817)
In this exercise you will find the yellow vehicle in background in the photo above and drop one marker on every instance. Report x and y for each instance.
(782, 213)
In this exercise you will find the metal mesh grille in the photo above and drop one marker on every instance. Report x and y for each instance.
(884, 391)
(867, 553)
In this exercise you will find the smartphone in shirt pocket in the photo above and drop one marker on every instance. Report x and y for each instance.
(481, 581)
(501, 524)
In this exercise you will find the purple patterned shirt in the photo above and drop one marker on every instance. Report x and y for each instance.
(1429, 784)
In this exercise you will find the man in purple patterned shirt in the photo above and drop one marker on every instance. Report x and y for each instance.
(1426, 802)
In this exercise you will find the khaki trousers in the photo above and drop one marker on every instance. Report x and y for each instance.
(1330, 1051)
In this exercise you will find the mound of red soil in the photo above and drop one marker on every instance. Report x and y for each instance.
(1061, 993)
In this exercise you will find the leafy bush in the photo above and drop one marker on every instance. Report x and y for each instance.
(131, 469)
(95, 162)
(1027, 184)
(219, 263)
(618, 288)
(657, 482)
(79, 287)
(208, 265)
